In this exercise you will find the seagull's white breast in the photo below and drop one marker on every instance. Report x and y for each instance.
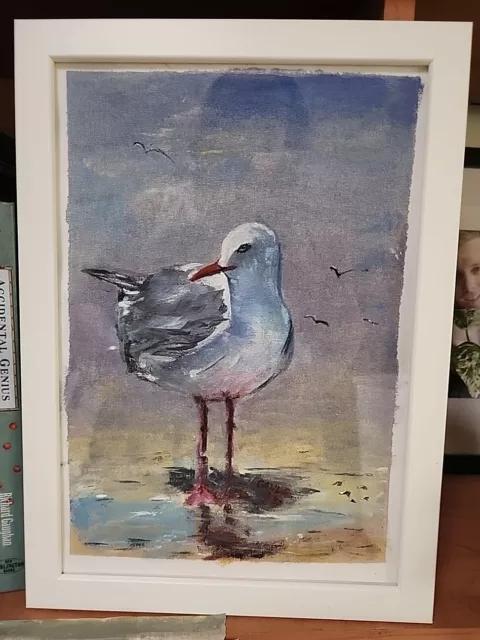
(251, 351)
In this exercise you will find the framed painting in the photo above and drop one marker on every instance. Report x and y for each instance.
(229, 241)
(462, 442)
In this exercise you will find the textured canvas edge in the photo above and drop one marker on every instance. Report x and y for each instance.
(445, 49)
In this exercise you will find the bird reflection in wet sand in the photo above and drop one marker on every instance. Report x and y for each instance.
(223, 530)
(226, 537)
(253, 491)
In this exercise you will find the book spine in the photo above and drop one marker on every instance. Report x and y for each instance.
(12, 556)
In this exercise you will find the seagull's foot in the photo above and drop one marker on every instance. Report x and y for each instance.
(231, 494)
(201, 495)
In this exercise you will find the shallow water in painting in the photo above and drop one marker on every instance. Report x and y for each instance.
(261, 513)
(166, 527)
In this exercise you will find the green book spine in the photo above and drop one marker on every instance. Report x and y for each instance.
(12, 557)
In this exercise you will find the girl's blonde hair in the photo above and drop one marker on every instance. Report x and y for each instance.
(465, 236)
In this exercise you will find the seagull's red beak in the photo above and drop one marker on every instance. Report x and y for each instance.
(209, 270)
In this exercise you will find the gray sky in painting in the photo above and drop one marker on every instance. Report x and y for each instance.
(324, 159)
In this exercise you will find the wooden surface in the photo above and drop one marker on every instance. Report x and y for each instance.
(457, 11)
(457, 610)
(399, 10)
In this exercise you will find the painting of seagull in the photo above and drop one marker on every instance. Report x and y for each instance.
(216, 332)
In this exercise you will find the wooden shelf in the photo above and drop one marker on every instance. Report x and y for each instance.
(399, 10)
(457, 11)
(457, 609)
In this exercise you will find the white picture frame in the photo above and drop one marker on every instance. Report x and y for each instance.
(439, 50)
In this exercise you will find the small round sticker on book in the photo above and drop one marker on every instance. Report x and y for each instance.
(11, 565)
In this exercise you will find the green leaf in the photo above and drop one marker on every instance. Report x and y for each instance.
(466, 362)
(464, 318)
(475, 321)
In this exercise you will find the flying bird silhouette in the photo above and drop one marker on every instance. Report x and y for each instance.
(370, 321)
(339, 273)
(338, 483)
(316, 321)
(345, 493)
(153, 149)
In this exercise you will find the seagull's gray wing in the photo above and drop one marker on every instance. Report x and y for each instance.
(168, 316)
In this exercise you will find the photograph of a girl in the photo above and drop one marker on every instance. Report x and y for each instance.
(467, 289)
(465, 358)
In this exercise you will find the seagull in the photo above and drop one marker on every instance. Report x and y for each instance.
(216, 333)
(339, 273)
(153, 149)
(317, 321)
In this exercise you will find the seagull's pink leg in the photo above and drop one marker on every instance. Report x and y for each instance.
(230, 407)
(231, 491)
(201, 494)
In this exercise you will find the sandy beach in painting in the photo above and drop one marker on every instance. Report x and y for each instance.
(297, 510)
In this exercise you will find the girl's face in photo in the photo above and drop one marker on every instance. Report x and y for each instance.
(467, 290)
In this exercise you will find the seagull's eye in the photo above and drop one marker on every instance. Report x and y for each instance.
(243, 248)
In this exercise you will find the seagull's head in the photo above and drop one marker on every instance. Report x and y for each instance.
(251, 247)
